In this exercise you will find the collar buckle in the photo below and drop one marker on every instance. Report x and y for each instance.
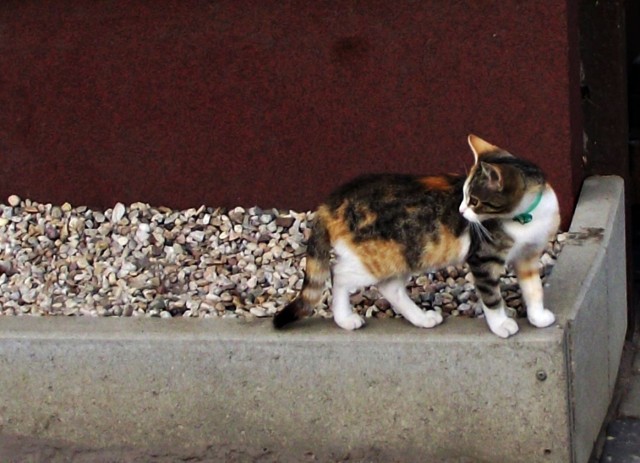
(526, 216)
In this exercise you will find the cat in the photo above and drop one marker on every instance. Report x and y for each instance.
(385, 227)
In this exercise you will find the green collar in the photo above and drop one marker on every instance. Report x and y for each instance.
(526, 216)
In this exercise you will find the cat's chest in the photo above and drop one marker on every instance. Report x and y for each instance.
(528, 238)
(531, 238)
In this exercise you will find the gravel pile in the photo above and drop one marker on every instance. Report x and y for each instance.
(158, 262)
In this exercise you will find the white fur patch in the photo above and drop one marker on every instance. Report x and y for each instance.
(348, 274)
(464, 209)
(465, 244)
(535, 234)
(349, 270)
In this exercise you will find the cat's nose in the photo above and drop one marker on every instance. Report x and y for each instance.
(462, 209)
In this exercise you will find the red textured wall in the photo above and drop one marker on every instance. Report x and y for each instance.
(274, 103)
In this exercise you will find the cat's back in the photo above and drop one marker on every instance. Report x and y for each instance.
(394, 191)
(406, 213)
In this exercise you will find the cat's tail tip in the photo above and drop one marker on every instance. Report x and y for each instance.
(292, 312)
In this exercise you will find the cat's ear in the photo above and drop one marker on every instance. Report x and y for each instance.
(480, 146)
(493, 175)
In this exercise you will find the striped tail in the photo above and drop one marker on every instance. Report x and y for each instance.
(316, 274)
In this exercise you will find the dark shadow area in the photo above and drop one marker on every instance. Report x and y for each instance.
(621, 442)
(633, 85)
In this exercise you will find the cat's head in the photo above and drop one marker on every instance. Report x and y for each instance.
(497, 182)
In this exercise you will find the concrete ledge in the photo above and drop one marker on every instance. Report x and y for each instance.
(242, 392)
(588, 288)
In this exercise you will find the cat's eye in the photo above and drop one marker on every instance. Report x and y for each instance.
(473, 201)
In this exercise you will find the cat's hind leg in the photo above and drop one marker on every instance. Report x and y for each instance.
(343, 314)
(395, 292)
(348, 274)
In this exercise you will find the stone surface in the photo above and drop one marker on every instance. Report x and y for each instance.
(392, 389)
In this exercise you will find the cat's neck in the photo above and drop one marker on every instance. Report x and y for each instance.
(535, 205)
(545, 219)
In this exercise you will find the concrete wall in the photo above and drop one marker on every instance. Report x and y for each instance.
(589, 283)
(390, 392)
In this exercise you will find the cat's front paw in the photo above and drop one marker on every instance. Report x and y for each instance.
(505, 329)
(426, 319)
(541, 318)
(350, 322)
(500, 324)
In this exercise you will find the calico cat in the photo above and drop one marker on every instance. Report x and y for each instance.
(385, 227)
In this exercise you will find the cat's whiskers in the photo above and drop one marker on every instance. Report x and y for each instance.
(481, 232)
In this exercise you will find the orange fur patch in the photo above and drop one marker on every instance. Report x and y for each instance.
(527, 273)
(436, 183)
(443, 252)
(382, 258)
(527, 268)
(336, 227)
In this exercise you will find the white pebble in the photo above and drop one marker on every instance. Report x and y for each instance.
(13, 200)
(258, 311)
(197, 236)
(142, 233)
(117, 213)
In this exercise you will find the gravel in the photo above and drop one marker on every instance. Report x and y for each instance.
(144, 261)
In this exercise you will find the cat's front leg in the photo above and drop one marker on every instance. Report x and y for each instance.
(499, 322)
(532, 292)
(486, 272)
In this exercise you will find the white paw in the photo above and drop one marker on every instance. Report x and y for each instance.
(503, 327)
(426, 319)
(541, 318)
(350, 322)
